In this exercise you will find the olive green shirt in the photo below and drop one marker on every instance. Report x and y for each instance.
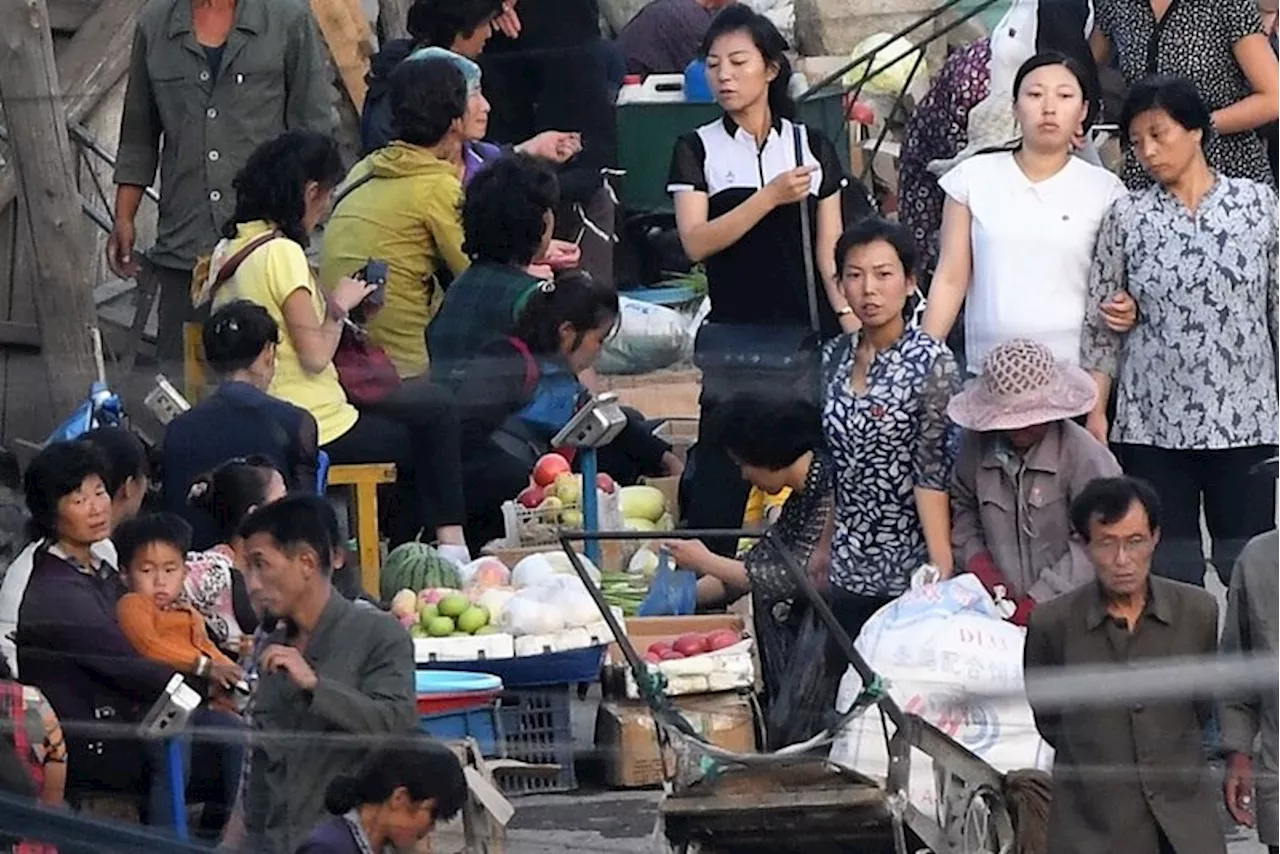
(363, 660)
(212, 109)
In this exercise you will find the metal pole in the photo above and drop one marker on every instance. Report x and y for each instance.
(590, 504)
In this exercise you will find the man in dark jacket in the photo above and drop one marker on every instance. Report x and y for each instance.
(330, 668)
(1128, 778)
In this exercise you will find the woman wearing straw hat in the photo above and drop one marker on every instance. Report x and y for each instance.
(1021, 462)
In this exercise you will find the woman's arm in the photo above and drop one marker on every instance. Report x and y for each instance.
(830, 224)
(702, 239)
(955, 269)
(1100, 46)
(694, 555)
(1099, 345)
(934, 507)
(315, 338)
(933, 460)
(1261, 69)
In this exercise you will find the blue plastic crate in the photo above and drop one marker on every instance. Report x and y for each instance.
(481, 723)
(534, 671)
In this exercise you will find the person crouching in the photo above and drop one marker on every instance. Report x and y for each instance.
(163, 627)
(1022, 461)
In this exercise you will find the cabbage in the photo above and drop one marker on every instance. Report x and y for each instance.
(893, 79)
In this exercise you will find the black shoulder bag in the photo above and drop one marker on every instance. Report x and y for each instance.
(746, 355)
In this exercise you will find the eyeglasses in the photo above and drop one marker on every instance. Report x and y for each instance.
(1137, 544)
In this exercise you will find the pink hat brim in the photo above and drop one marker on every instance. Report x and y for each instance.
(1071, 394)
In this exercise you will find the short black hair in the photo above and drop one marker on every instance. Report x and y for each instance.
(425, 768)
(873, 228)
(439, 22)
(296, 521)
(1107, 499)
(124, 452)
(56, 472)
(502, 214)
(134, 535)
(769, 431)
(231, 490)
(236, 334)
(427, 96)
(1174, 94)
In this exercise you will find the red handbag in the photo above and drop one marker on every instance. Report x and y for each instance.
(365, 371)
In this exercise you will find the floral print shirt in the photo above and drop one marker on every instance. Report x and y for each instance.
(885, 442)
(1198, 371)
(208, 589)
(937, 130)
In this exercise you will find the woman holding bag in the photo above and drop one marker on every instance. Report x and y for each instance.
(284, 191)
(757, 200)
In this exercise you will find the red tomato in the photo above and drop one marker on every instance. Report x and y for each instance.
(531, 496)
(652, 657)
(672, 655)
(690, 645)
(722, 639)
(659, 647)
(605, 483)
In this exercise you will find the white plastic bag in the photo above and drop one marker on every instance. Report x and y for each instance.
(649, 337)
(932, 645)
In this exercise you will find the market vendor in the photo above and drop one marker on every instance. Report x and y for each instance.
(1022, 461)
(777, 445)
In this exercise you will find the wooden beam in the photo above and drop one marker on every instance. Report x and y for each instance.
(42, 151)
(67, 16)
(13, 334)
(350, 41)
(89, 66)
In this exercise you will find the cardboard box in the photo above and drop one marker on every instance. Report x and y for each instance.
(627, 739)
(644, 631)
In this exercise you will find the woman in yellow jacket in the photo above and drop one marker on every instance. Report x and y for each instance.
(403, 204)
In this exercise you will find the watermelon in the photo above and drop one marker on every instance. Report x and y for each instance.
(416, 566)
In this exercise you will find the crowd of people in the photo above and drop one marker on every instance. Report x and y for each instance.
(1117, 376)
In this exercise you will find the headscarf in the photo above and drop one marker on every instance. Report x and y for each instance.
(470, 70)
(1028, 27)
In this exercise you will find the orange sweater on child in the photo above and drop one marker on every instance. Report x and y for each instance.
(174, 636)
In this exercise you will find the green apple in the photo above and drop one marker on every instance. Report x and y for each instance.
(473, 619)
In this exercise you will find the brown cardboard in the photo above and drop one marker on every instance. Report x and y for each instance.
(644, 631)
(628, 742)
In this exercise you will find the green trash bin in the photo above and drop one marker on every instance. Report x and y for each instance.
(647, 133)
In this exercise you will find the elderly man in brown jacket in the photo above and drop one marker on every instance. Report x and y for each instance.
(1131, 778)
(1021, 463)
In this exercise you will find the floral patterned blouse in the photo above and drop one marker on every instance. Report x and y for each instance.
(886, 442)
(1198, 371)
(208, 590)
(937, 130)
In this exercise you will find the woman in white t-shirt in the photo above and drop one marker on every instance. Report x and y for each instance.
(1019, 226)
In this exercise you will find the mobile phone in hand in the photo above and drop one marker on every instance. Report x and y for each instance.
(375, 273)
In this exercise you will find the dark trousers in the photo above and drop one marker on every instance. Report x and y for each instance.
(416, 428)
(1239, 503)
(852, 610)
(174, 294)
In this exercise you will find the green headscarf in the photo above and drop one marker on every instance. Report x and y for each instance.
(470, 70)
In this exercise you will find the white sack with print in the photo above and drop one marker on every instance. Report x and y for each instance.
(932, 645)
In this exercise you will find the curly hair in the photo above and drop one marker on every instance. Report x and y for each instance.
(272, 185)
(440, 22)
(502, 215)
(573, 298)
(427, 96)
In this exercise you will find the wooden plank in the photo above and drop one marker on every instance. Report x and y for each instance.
(19, 334)
(350, 41)
(90, 65)
(38, 139)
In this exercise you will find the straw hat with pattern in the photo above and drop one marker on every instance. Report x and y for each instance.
(1022, 385)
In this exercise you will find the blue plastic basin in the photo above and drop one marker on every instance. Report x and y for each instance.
(454, 682)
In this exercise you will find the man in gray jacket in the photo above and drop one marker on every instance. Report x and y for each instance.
(1251, 627)
(335, 677)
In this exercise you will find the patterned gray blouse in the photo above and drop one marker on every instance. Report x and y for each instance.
(1198, 371)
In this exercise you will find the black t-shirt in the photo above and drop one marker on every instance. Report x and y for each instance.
(760, 279)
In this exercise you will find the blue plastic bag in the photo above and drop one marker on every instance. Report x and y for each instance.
(673, 593)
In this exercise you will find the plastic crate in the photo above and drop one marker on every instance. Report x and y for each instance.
(481, 723)
(537, 730)
(535, 671)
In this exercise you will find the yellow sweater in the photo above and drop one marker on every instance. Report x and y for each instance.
(408, 214)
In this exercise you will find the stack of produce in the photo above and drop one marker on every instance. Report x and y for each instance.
(700, 663)
(625, 591)
(553, 501)
(416, 566)
(439, 613)
(644, 508)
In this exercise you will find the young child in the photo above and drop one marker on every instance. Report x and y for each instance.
(155, 616)
(162, 626)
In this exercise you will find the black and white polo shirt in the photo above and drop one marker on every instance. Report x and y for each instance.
(759, 279)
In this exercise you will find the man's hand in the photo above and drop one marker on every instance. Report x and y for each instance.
(561, 255)
(1238, 788)
(120, 257)
(280, 658)
(225, 674)
(554, 145)
(671, 465)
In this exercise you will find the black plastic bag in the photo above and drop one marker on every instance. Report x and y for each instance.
(802, 669)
